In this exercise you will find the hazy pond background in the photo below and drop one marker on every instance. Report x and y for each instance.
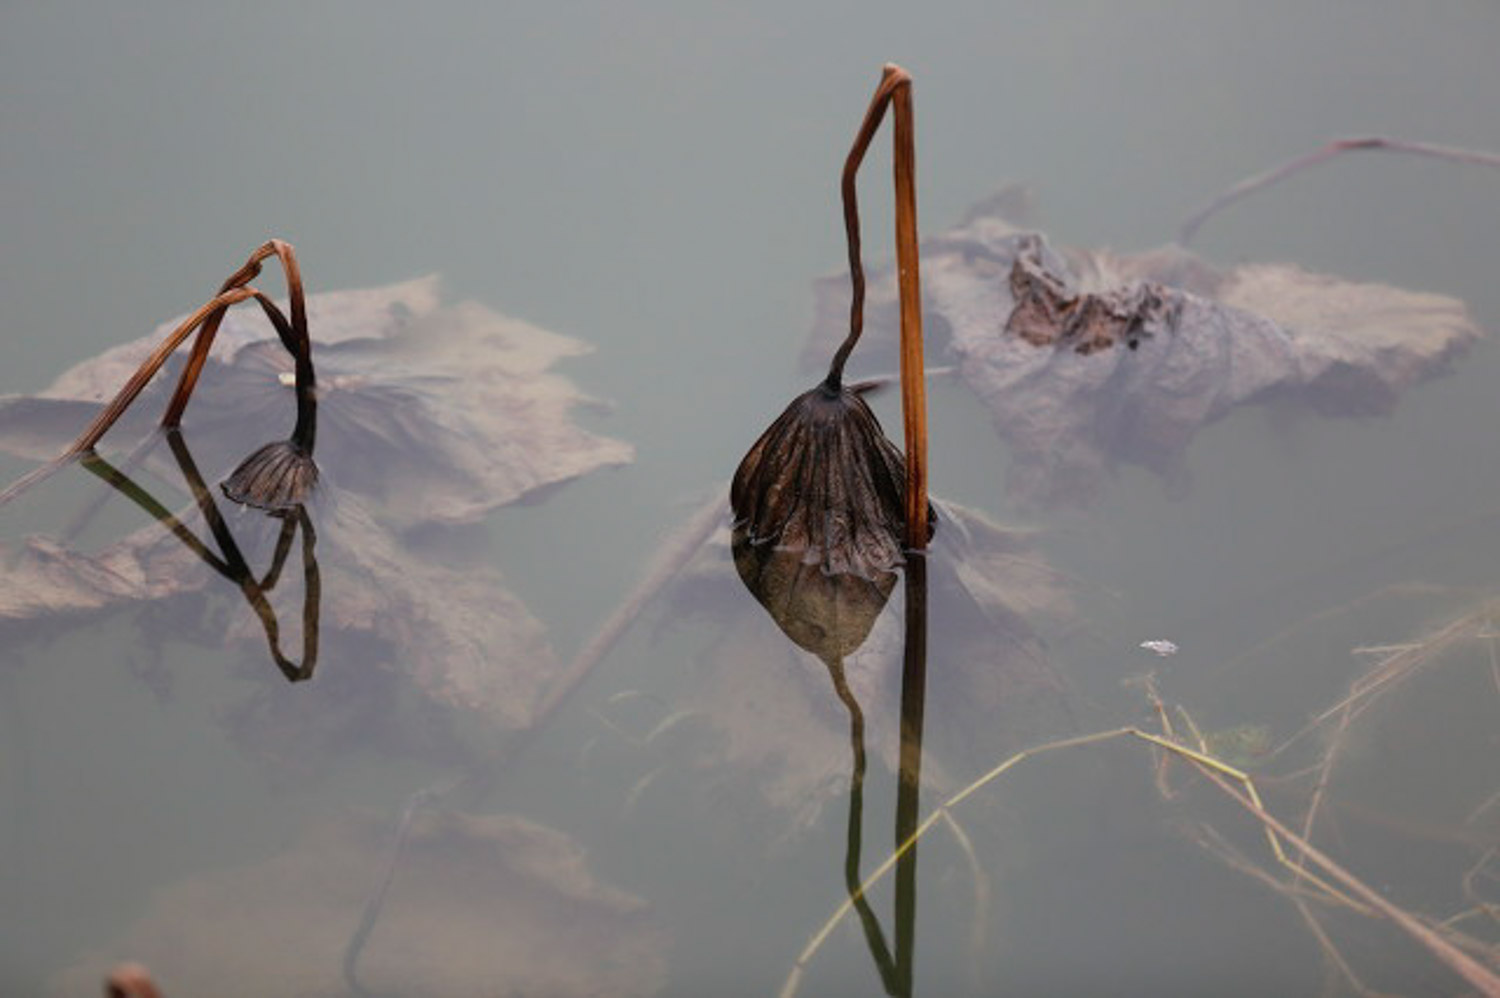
(659, 180)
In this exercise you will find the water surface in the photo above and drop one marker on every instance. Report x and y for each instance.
(660, 182)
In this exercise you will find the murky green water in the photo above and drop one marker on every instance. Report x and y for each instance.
(659, 182)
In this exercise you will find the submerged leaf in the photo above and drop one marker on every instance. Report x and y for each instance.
(493, 905)
(1088, 359)
(429, 412)
(425, 413)
(445, 627)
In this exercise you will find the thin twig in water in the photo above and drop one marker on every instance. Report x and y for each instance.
(1332, 149)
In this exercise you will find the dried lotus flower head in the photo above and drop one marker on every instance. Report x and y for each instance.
(823, 481)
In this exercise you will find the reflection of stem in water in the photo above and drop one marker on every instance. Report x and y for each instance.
(874, 937)
(230, 562)
(895, 972)
(909, 785)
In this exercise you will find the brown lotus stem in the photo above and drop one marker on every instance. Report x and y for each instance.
(913, 377)
(127, 394)
(894, 90)
(293, 335)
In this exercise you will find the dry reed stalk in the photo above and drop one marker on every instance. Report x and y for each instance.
(1351, 892)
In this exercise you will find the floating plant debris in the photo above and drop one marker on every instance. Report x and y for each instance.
(296, 474)
(824, 481)
(428, 412)
(1091, 359)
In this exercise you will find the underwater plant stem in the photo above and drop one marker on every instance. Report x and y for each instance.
(913, 378)
(349, 966)
(869, 922)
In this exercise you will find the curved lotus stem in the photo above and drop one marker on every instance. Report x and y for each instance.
(823, 479)
(129, 391)
(293, 335)
(891, 77)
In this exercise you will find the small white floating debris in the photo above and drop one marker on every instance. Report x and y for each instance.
(1162, 648)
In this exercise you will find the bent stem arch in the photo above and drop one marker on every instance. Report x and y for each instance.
(206, 320)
